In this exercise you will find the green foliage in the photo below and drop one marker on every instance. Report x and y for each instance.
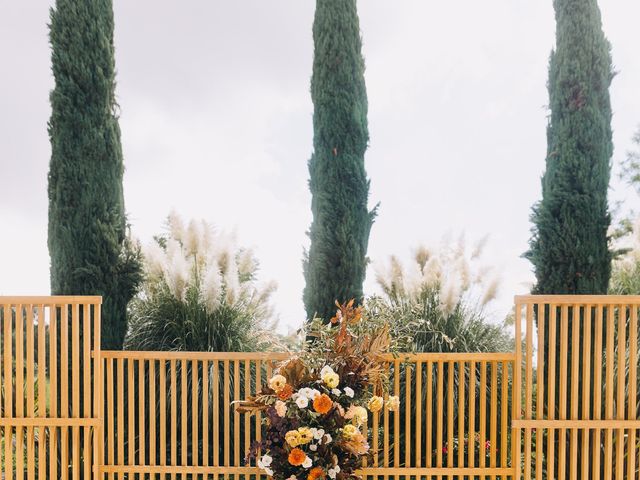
(569, 247)
(200, 294)
(335, 265)
(442, 296)
(631, 166)
(90, 253)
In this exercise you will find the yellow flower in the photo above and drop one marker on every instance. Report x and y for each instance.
(375, 404)
(292, 437)
(277, 383)
(331, 379)
(360, 415)
(305, 435)
(350, 430)
(393, 403)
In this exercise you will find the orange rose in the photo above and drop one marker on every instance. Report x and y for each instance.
(316, 473)
(297, 457)
(286, 392)
(322, 403)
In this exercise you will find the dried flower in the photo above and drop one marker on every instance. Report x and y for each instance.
(375, 404)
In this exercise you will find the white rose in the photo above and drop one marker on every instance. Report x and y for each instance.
(313, 394)
(326, 369)
(332, 473)
(328, 438)
(281, 408)
(305, 392)
(302, 402)
(307, 462)
(266, 460)
(336, 392)
(348, 391)
(313, 447)
(318, 433)
(292, 477)
(269, 472)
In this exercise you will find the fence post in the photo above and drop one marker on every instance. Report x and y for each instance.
(516, 395)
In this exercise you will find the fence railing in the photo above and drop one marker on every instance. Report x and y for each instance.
(569, 410)
(173, 413)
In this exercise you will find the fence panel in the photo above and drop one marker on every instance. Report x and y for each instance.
(580, 411)
(172, 413)
(49, 408)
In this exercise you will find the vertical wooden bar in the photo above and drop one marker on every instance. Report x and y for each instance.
(586, 390)
(450, 393)
(98, 401)
(111, 436)
(551, 388)
(216, 413)
(385, 426)
(575, 372)
(29, 354)
(247, 392)
(64, 364)
(131, 417)
(8, 385)
(418, 402)
(183, 412)
(407, 425)
(620, 407)
(528, 394)
(162, 392)
(227, 425)
(205, 412)
(174, 415)
(609, 382)
(471, 444)
(483, 414)
(19, 388)
(153, 452)
(504, 405)
(515, 436)
(142, 428)
(493, 436)
(564, 344)
(429, 417)
(597, 392)
(76, 385)
(258, 386)
(375, 440)
(86, 386)
(195, 440)
(461, 413)
(120, 410)
(540, 389)
(236, 415)
(633, 379)
(396, 418)
(440, 398)
(53, 389)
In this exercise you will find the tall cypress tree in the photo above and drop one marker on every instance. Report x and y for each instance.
(570, 246)
(336, 262)
(89, 251)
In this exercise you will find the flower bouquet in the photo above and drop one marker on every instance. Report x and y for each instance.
(317, 404)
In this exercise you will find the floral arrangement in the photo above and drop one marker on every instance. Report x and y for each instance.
(317, 404)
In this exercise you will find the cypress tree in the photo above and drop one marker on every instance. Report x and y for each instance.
(336, 262)
(89, 250)
(569, 247)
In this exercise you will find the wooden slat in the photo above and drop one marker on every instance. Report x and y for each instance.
(195, 439)
(53, 389)
(461, 413)
(440, 415)
(551, 388)
(540, 388)
(396, 418)
(450, 393)
(184, 433)
(142, 427)
(597, 392)
(419, 406)
(586, 389)
(153, 451)
(429, 416)
(86, 386)
(472, 414)
(633, 380)
(563, 360)
(609, 382)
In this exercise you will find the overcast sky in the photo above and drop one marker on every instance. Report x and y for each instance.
(216, 124)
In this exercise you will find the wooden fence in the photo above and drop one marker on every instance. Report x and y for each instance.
(71, 411)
